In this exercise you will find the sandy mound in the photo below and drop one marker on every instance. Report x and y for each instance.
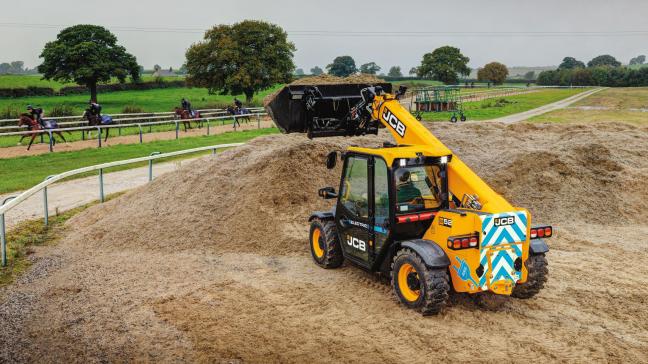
(257, 198)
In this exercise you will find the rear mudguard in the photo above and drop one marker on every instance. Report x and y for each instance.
(538, 246)
(432, 254)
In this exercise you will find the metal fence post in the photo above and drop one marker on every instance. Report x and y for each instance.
(151, 166)
(258, 121)
(177, 126)
(45, 205)
(140, 132)
(99, 136)
(51, 141)
(101, 185)
(82, 134)
(3, 234)
(119, 130)
(207, 127)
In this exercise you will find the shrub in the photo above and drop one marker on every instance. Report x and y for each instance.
(10, 112)
(132, 109)
(62, 110)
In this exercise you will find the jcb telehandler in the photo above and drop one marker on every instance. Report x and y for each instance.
(411, 210)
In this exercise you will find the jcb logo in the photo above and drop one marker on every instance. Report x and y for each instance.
(393, 121)
(445, 222)
(357, 243)
(504, 221)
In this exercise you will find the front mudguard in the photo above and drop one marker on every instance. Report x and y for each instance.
(322, 215)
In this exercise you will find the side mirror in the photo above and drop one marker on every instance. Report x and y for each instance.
(331, 160)
(327, 193)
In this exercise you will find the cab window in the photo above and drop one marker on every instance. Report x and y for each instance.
(417, 188)
(354, 191)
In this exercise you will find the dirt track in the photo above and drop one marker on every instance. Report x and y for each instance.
(228, 276)
(37, 149)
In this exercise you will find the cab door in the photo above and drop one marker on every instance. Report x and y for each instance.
(353, 210)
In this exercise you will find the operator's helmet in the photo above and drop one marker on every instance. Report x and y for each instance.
(402, 176)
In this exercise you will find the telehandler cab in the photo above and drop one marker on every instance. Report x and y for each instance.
(411, 210)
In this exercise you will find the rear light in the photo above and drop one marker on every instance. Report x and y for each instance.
(463, 242)
(541, 232)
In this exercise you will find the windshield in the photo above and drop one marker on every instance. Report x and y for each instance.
(417, 188)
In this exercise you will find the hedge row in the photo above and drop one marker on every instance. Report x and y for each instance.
(75, 90)
(596, 76)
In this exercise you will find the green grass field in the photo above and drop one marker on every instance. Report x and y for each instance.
(24, 172)
(22, 81)
(499, 107)
(148, 100)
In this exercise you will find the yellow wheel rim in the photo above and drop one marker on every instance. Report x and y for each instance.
(403, 273)
(319, 252)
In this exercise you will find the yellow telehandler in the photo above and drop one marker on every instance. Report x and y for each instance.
(411, 210)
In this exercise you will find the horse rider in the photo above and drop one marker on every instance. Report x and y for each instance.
(238, 104)
(95, 109)
(36, 114)
(186, 105)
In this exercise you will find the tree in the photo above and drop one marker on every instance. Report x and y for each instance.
(370, 68)
(604, 60)
(316, 71)
(87, 55)
(245, 57)
(395, 71)
(413, 71)
(569, 63)
(494, 72)
(342, 66)
(5, 68)
(299, 72)
(444, 64)
(182, 70)
(529, 75)
(638, 60)
(17, 67)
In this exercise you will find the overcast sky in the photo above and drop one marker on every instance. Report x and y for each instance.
(514, 32)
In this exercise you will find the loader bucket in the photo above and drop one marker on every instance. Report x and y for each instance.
(289, 111)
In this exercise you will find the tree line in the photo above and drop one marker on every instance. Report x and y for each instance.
(16, 68)
(241, 58)
(604, 70)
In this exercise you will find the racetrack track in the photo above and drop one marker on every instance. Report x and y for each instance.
(207, 277)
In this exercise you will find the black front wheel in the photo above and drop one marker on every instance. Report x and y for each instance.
(453, 119)
(325, 245)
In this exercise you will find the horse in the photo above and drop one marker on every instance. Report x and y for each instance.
(239, 113)
(34, 126)
(94, 120)
(186, 116)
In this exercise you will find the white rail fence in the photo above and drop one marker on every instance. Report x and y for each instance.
(13, 201)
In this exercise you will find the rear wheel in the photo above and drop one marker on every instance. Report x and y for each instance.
(536, 278)
(417, 286)
(325, 244)
(453, 119)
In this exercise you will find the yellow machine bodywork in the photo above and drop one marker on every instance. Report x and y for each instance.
(415, 139)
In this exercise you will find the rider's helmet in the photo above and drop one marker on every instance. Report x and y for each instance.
(29, 107)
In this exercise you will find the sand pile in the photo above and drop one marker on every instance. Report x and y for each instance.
(256, 198)
(594, 173)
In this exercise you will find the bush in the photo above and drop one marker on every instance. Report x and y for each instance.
(132, 109)
(156, 84)
(62, 110)
(26, 91)
(595, 76)
(10, 112)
